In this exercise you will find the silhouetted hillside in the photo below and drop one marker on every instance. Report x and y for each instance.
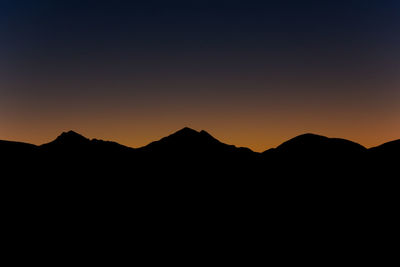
(12, 147)
(311, 143)
(388, 149)
(189, 152)
(16, 151)
(317, 155)
(189, 182)
(70, 138)
(188, 141)
(188, 149)
(72, 141)
(385, 158)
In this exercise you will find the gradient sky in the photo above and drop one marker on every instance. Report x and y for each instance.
(251, 73)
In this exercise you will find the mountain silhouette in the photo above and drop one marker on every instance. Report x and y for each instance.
(80, 156)
(312, 143)
(70, 138)
(384, 158)
(191, 182)
(390, 148)
(187, 150)
(10, 150)
(12, 147)
(188, 140)
(317, 147)
(72, 141)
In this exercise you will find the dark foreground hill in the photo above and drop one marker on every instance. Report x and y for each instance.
(191, 188)
(191, 153)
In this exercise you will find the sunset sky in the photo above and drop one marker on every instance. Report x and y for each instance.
(251, 73)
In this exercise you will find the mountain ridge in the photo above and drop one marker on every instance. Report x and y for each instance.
(71, 137)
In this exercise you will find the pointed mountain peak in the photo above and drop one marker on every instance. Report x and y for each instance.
(186, 131)
(184, 139)
(71, 134)
(70, 137)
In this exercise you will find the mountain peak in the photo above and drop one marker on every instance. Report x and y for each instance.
(310, 136)
(71, 137)
(186, 131)
(185, 139)
(314, 142)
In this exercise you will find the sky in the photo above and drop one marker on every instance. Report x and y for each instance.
(251, 73)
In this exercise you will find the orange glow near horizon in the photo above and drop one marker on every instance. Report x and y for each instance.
(252, 75)
(257, 127)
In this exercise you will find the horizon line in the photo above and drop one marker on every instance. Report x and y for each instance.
(189, 128)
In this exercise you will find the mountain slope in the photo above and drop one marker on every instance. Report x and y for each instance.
(10, 149)
(392, 148)
(72, 141)
(191, 152)
(187, 150)
(385, 157)
(74, 155)
(189, 181)
(316, 156)
(312, 143)
(189, 140)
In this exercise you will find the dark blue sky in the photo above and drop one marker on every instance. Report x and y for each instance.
(242, 59)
